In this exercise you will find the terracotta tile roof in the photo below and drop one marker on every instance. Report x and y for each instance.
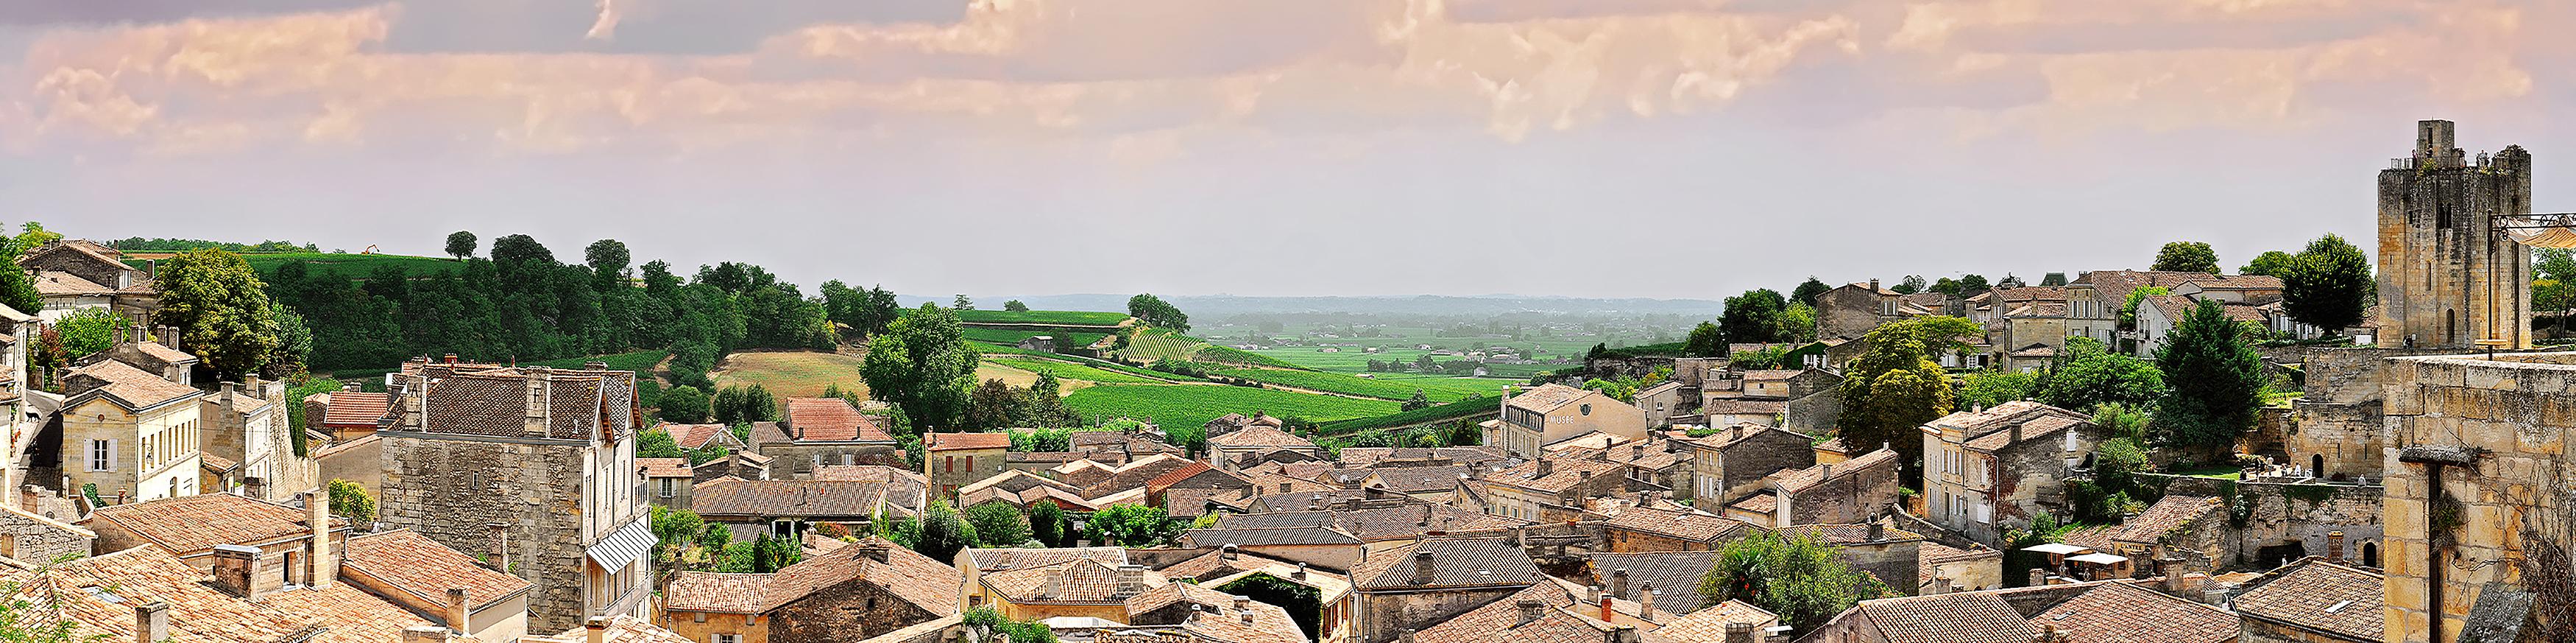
(1170, 593)
(2238, 282)
(1075, 581)
(2038, 429)
(1739, 406)
(1000, 558)
(1547, 397)
(98, 594)
(64, 284)
(1016, 482)
(965, 441)
(1772, 375)
(1120, 442)
(1175, 476)
(1134, 475)
(2124, 613)
(868, 473)
(1303, 500)
(1500, 621)
(131, 387)
(1675, 574)
(1365, 456)
(1685, 525)
(1420, 479)
(167, 355)
(832, 419)
(1932, 553)
(404, 560)
(663, 467)
(621, 629)
(1260, 436)
(912, 577)
(2043, 310)
(192, 524)
(1455, 562)
(2321, 595)
(1967, 617)
(695, 436)
(1024, 497)
(2114, 285)
(773, 498)
(1270, 624)
(1269, 536)
(2169, 513)
(1564, 474)
(1708, 625)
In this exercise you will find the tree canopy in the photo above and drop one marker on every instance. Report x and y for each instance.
(1896, 386)
(2329, 285)
(922, 366)
(1127, 525)
(1807, 291)
(1910, 285)
(460, 244)
(1801, 579)
(998, 524)
(2216, 382)
(2085, 374)
(2186, 256)
(2272, 263)
(1157, 313)
(1705, 341)
(222, 311)
(1753, 317)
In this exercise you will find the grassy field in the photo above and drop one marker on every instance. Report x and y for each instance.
(1232, 355)
(990, 350)
(1065, 337)
(1074, 372)
(789, 374)
(1063, 317)
(1441, 389)
(1182, 405)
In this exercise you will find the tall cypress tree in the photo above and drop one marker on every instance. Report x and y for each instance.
(2215, 383)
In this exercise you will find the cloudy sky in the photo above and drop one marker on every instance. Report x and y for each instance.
(1659, 148)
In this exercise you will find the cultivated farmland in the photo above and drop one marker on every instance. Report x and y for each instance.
(1193, 405)
(1074, 372)
(1439, 389)
(792, 374)
(1042, 317)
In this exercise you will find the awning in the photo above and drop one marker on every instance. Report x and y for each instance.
(2099, 559)
(2060, 549)
(2542, 231)
(621, 547)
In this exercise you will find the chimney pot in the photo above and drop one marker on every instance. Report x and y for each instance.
(2334, 546)
(2038, 576)
(321, 563)
(151, 622)
(1646, 600)
(1877, 531)
(1546, 468)
(451, 358)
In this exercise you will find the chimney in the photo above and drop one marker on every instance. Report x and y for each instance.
(1422, 567)
(460, 614)
(1825, 471)
(1942, 585)
(1586, 476)
(1620, 634)
(873, 551)
(2215, 596)
(1781, 516)
(1592, 595)
(1877, 531)
(2038, 576)
(1226, 553)
(1131, 580)
(236, 569)
(1300, 574)
(451, 358)
(1739, 633)
(1604, 604)
(1283, 487)
(1404, 636)
(2048, 633)
(1645, 600)
(151, 622)
(1873, 287)
(1736, 432)
(1619, 582)
(2016, 434)
(1636, 452)
(1530, 608)
(595, 629)
(28, 499)
(322, 563)
(2334, 546)
(1546, 468)
(497, 547)
(424, 634)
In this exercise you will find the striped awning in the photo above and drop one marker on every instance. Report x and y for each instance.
(621, 547)
(2541, 231)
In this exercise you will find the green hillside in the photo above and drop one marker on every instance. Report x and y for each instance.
(1189, 405)
(1049, 317)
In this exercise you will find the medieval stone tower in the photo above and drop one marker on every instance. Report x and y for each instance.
(2447, 276)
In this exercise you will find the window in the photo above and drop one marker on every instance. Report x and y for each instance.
(102, 455)
(1585, 409)
(286, 573)
(724, 638)
(669, 488)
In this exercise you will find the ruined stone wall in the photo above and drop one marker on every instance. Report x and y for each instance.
(1384, 615)
(37, 541)
(2291, 514)
(848, 611)
(2507, 497)
(449, 487)
(2032, 476)
(2346, 439)
(1897, 563)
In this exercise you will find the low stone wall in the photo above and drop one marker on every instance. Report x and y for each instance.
(2280, 514)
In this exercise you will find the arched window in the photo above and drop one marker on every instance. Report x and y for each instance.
(2370, 555)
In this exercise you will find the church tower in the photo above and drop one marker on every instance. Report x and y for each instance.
(2447, 276)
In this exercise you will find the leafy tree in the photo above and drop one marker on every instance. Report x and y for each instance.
(2216, 378)
(221, 309)
(17, 291)
(1044, 403)
(2186, 256)
(1752, 317)
(714, 538)
(962, 303)
(1801, 579)
(992, 405)
(1993, 386)
(348, 500)
(607, 258)
(2122, 420)
(943, 532)
(1015, 306)
(2329, 285)
(1621, 389)
(1946, 286)
(1417, 402)
(2085, 375)
(1047, 524)
(682, 404)
(674, 531)
(2129, 309)
(999, 525)
(520, 253)
(295, 341)
(983, 617)
(88, 331)
(902, 530)
(1129, 525)
(32, 235)
(1705, 341)
(1191, 439)
(657, 443)
(1895, 386)
(921, 364)
(769, 554)
(1797, 323)
(1912, 284)
(1973, 284)
(460, 244)
(2272, 263)
(1807, 291)
(1157, 313)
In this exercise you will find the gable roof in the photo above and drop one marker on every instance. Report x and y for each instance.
(696, 436)
(908, 576)
(1499, 621)
(730, 496)
(832, 419)
(1269, 536)
(190, 525)
(60, 284)
(1134, 475)
(2321, 595)
(663, 467)
(1564, 473)
(965, 441)
(1419, 479)
(1685, 525)
(2124, 613)
(406, 561)
(1700, 626)
(2114, 285)
(1967, 617)
(999, 558)
(1260, 435)
(131, 387)
(1547, 397)
(1080, 580)
(1676, 574)
(98, 595)
(164, 353)
(621, 629)
(1455, 562)
(355, 407)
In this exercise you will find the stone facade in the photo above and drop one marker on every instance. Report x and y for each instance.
(2478, 485)
(1851, 310)
(1734, 461)
(246, 423)
(36, 540)
(2447, 278)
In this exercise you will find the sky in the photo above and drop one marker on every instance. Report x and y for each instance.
(1601, 148)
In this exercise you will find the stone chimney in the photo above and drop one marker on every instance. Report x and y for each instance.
(1646, 599)
(1592, 595)
(1636, 452)
(1877, 531)
(236, 570)
(1620, 634)
(1735, 433)
(595, 629)
(1825, 471)
(460, 613)
(2334, 546)
(424, 634)
(1873, 287)
(497, 546)
(1300, 574)
(2038, 576)
(1404, 636)
(1619, 582)
(323, 564)
(1530, 609)
(2016, 434)
(2048, 633)
(1546, 468)
(151, 622)
(873, 551)
(1941, 585)
(1781, 515)
(1739, 633)
(1131, 580)
(1422, 567)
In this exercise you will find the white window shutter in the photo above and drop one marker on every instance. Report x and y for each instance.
(111, 455)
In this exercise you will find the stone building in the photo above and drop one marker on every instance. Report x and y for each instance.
(347, 414)
(2094, 300)
(35, 540)
(1851, 310)
(1413, 587)
(820, 431)
(668, 482)
(1552, 413)
(1551, 488)
(1987, 471)
(129, 433)
(953, 460)
(2448, 276)
(18, 420)
(439, 582)
(1645, 529)
(1851, 491)
(72, 274)
(532, 467)
(282, 542)
(2312, 601)
(857, 592)
(1734, 461)
(245, 422)
(2477, 507)
(1255, 442)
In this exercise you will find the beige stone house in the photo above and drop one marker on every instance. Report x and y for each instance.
(1850, 310)
(2313, 601)
(1413, 587)
(1552, 413)
(1232, 450)
(1987, 471)
(1734, 461)
(1552, 488)
(863, 590)
(668, 482)
(953, 460)
(132, 434)
(72, 274)
(820, 431)
(1851, 491)
(2094, 299)
(245, 423)
(433, 580)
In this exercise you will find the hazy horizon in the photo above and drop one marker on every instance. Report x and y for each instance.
(1667, 149)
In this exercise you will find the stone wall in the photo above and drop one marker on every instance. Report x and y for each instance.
(35, 540)
(1383, 614)
(1741, 466)
(842, 612)
(2033, 477)
(2479, 484)
(1847, 312)
(1897, 563)
(2293, 514)
(448, 488)
(2336, 441)
(1847, 498)
(1816, 414)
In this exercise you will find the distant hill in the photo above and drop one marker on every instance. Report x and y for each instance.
(1220, 305)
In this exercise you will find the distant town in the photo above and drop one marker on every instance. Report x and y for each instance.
(2359, 440)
